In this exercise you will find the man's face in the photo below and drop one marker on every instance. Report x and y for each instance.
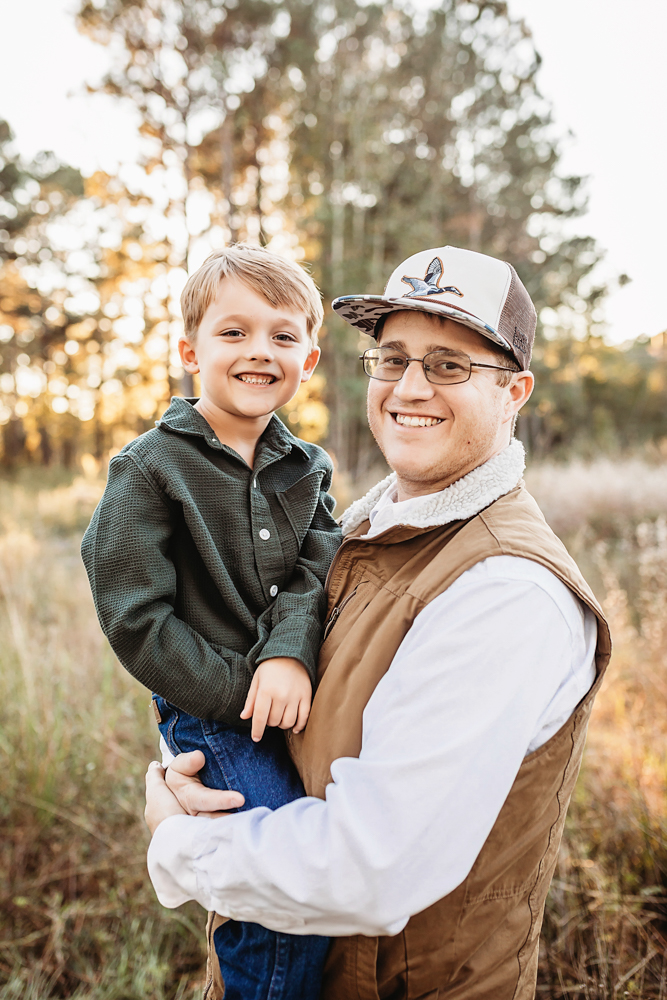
(251, 357)
(466, 423)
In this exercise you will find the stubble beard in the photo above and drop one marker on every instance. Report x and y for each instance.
(439, 475)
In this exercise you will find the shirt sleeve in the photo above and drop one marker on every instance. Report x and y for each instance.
(298, 612)
(444, 736)
(133, 580)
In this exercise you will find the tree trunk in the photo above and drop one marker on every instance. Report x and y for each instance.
(227, 151)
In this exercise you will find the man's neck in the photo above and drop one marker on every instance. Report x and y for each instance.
(237, 432)
(408, 488)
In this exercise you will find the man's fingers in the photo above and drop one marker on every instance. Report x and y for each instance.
(160, 803)
(302, 716)
(188, 763)
(181, 777)
(178, 780)
(260, 716)
(154, 774)
(249, 706)
(201, 800)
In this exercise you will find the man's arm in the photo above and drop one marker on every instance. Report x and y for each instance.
(444, 736)
(133, 581)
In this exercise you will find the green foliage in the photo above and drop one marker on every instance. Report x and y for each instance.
(86, 307)
(29, 194)
(417, 130)
(591, 397)
(349, 135)
(365, 133)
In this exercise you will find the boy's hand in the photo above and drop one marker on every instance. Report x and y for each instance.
(279, 695)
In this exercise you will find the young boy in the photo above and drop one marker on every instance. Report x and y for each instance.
(207, 557)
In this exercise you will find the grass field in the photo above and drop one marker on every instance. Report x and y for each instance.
(77, 915)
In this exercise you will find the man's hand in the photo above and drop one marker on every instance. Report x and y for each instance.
(192, 796)
(279, 695)
(160, 803)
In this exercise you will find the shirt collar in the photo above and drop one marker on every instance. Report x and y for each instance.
(460, 501)
(386, 501)
(182, 418)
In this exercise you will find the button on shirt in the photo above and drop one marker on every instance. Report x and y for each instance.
(444, 735)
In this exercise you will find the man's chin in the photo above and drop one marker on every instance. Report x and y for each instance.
(409, 467)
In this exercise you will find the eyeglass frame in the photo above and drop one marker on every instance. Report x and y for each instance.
(473, 364)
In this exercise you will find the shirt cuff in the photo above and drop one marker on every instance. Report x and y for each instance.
(167, 755)
(297, 636)
(171, 860)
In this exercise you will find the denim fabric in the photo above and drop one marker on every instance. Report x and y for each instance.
(256, 963)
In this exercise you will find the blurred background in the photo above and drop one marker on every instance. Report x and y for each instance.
(136, 136)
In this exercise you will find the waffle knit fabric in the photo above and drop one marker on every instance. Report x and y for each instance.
(201, 567)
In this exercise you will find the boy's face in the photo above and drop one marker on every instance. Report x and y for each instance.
(251, 358)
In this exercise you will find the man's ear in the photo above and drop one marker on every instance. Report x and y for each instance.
(310, 364)
(188, 356)
(519, 391)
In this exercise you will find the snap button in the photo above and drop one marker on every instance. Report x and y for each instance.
(273, 591)
(264, 534)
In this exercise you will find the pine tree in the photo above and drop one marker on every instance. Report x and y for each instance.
(367, 132)
(33, 280)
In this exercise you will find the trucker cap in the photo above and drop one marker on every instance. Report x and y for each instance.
(480, 292)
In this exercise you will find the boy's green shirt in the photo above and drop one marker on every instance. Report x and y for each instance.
(201, 567)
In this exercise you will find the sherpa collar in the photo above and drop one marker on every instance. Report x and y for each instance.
(461, 500)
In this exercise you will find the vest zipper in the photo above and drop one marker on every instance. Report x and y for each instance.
(333, 617)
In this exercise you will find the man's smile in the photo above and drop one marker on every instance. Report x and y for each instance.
(415, 420)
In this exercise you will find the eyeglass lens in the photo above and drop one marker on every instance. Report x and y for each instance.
(440, 367)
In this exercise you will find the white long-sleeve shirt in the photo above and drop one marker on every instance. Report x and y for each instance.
(489, 670)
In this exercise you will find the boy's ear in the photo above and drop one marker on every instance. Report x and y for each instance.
(310, 364)
(188, 356)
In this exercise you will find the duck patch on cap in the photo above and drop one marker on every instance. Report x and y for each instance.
(430, 283)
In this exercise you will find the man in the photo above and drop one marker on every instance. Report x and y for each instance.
(456, 677)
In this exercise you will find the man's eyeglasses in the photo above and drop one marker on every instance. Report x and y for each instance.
(440, 367)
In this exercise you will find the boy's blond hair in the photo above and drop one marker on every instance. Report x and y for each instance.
(280, 281)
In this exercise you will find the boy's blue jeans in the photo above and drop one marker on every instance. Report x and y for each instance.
(256, 964)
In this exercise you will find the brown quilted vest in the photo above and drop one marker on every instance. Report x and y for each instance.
(481, 941)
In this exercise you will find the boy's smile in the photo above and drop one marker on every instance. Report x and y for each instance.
(254, 379)
(251, 358)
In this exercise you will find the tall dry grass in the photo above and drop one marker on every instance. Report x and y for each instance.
(605, 932)
(77, 915)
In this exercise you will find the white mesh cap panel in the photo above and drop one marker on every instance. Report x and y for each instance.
(481, 283)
